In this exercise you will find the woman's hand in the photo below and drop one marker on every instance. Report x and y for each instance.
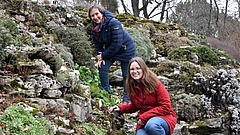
(114, 109)
(99, 56)
(99, 63)
(140, 122)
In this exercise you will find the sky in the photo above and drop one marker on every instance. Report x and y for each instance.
(232, 7)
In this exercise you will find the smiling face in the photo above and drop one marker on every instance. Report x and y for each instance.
(96, 15)
(135, 71)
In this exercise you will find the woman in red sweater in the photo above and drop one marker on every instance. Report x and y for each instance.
(150, 98)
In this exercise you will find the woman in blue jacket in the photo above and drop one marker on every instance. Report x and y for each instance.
(112, 44)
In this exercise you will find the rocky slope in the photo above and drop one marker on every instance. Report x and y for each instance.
(38, 72)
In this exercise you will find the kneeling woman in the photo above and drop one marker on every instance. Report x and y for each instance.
(148, 96)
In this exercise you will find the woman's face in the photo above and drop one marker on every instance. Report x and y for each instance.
(96, 15)
(136, 71)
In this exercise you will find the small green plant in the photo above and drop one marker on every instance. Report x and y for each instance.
(91, 129)
(87, 76)
(102, 95)
(91, 78)
(16, 120)
(64, 78)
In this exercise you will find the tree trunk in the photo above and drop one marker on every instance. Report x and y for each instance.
(124, 6)
(238, 2)
(163, 9)
(210, 18)
(144, 8)
(215, 2)
(135, 8)
(225, 14)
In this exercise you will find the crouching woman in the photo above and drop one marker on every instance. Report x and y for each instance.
(149, 97)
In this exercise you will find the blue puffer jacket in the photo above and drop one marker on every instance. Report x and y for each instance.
(115, 43)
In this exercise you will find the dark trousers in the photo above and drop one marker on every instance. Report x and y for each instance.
(104, 77)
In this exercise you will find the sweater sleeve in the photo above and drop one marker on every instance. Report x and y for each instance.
(127, 108)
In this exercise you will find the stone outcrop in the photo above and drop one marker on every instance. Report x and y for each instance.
(205, 97)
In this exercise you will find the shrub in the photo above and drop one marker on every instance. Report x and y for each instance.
(18, 121)
(8, 30)
(207, 55)
(204, 53)
(77, 40)
(65, 54)
(144, 46)
(91, 129)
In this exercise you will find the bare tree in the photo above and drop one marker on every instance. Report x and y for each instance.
(238, 2)
(149, 8)
(210, 18)
(144, 8)
(225, 14)
(135, 4)
(124, 6)
(111, 5)
(217, 12)
(163, 9)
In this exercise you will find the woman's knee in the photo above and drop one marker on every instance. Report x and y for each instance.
(156, 125)
(141, 132)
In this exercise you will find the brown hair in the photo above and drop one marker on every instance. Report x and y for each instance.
(149, 79)
(99, 7)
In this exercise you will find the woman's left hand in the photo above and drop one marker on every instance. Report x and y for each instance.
(99, 63)
(99, 56)
(114, 108)
(140, 124)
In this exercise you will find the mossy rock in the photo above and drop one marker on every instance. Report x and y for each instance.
(181, 72)
(205, 55)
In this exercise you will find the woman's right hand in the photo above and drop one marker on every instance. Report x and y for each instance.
(99, 63)
(114, 109)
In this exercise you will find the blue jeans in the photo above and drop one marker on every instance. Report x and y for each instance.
(104, 77)
(154, 126)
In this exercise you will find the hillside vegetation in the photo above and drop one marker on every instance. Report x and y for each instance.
(47, 74)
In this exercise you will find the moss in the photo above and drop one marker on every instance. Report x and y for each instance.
(163, 50)
(34, 111)
(55, 63)
(91, 128)
(204, 53)
(60, 123)
(165, 67)
(86, 22)
(15, 84)
(63, 78)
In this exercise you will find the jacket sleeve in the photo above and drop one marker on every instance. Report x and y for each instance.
(127, 108)
(164, 104)
(116, 39)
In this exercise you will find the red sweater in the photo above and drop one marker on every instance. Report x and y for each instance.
(150, 105)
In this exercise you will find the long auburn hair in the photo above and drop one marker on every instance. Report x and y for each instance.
(149, 79)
